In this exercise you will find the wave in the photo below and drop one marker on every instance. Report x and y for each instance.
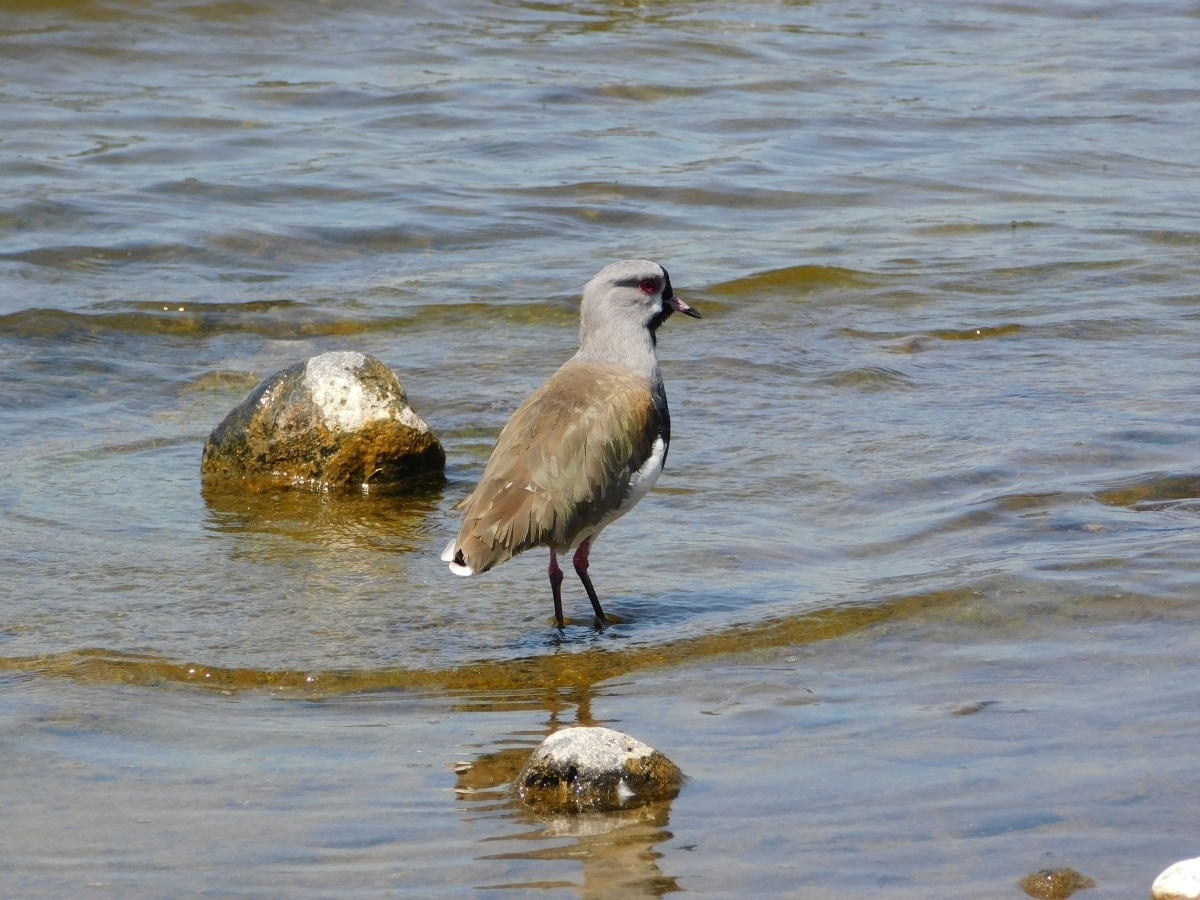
(542, 672)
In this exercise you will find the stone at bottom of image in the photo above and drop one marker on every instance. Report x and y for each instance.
(586, 769)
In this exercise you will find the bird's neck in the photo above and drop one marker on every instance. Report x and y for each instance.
(629, 348)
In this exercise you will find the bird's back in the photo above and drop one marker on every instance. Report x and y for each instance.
(562, 464)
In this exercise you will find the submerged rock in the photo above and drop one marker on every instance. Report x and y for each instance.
(1054, 884)
(337, 420)
(584, 769)
(1178, 882)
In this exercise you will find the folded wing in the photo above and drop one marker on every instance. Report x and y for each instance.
(563, 462)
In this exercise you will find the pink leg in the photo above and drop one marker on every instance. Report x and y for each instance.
(581, 567)
(556, 580)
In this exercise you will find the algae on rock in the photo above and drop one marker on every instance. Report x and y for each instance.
(585, 769)
(336, 420)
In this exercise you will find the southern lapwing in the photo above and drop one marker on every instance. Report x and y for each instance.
(587, 445)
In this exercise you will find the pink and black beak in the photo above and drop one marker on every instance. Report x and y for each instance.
(670, 304)
(675, 303)
(679, 306)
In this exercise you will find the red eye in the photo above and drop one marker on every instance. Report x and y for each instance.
(648, 285)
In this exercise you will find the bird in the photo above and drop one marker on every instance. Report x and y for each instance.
(586, 446)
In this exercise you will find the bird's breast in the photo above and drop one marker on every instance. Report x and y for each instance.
(644, 478)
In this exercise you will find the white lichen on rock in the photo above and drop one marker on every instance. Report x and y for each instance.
(412, 420)
(1178, 882)
(593, 750)
(346, 401)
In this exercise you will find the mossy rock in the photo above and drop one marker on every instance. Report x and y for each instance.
(339, 420)
(596, 769)
(1054, 884)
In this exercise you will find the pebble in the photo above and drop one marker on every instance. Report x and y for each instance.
(584, 769)
(1054, 884)
(1178, 882)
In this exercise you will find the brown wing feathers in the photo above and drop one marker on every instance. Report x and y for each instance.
(561, 464)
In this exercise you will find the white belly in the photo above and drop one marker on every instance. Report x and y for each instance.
(639, 486)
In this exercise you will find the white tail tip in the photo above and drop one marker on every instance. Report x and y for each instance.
(448, 556)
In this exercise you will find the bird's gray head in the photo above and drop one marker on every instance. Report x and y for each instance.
(624, 305)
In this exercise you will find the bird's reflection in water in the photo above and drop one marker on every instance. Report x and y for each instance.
(615, 849)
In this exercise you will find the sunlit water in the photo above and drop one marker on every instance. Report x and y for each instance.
(936, 435)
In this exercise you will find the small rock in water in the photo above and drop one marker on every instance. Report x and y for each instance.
(973, 708)
(584, 769)
(1178, 882)
(1054, 884)
(338, 420)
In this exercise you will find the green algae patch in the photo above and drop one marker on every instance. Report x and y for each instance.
(540, 673)
(1149, 492)
(793, 279)
(1054, 884)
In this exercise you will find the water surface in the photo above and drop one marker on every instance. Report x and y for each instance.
(948, 261)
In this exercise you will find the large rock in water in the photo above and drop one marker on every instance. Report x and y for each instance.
(586, 769)
(337, 420)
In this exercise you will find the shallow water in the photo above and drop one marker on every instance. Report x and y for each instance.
(944, 387)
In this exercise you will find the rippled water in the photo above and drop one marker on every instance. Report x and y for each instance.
(948, 259)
